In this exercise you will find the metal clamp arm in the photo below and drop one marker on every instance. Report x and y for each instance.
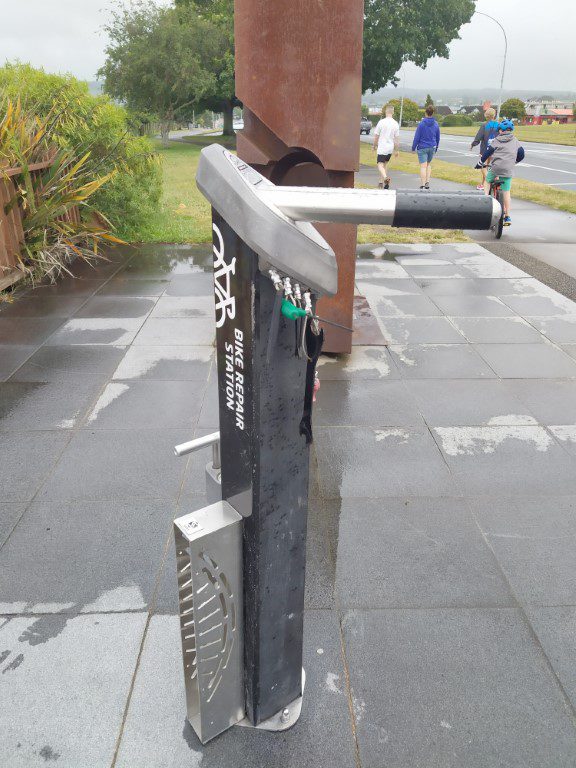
(202, 442)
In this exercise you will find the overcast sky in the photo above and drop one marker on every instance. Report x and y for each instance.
(66, 36)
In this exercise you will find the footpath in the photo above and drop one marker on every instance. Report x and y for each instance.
(541, 240)
(441, 587)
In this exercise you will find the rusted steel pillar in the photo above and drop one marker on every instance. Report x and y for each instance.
(299, 76)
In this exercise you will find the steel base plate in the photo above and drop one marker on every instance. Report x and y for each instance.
(282, 720)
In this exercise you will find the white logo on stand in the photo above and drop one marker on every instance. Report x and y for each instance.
(225, 304)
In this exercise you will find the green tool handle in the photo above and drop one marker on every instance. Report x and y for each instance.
(291, 311)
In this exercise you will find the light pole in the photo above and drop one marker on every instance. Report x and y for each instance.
(402, 99)
(478, 13)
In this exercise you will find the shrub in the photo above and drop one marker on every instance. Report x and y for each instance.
(83, 122)
(457, 121)
(50, 199)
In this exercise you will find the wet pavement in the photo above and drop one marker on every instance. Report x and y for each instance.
(441, 592)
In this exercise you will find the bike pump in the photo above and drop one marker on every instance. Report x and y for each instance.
(241, 560)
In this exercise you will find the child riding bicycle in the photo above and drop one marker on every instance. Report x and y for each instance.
(505, 151)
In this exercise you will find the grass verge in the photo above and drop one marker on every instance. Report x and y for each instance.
(541, 134)
(522, 189)
(184, 215)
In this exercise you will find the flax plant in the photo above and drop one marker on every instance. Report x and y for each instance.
(58, 219)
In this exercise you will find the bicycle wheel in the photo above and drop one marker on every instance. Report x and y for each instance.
(498, 229)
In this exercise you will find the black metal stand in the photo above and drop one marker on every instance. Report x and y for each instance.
(265, 464)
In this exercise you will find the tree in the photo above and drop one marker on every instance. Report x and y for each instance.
(396, 31)
(365, 110)
(513, 108)
(410, 111)
(159, 60)
(220, 15)
(429, 102)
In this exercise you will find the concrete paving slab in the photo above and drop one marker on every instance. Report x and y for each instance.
(362, 363)
(487, 268)
(565, 434)
(22, 471)
(42, 306)
(27, 331)
(470, 402)
(451, 287)
(388, 286)
(154, 263)
(177, 332)
(506, 460)
(165, 363)
(27, 405)
(463, 687)
(556, 631)
(533, 539)
(12, 357)
(376, 463)
(57, 363)
(369, 270)
(120, 285)
(414, 553)
(402, 306)
(420, 330)
(117, 331)
(527, 361)
(440, 361)
(321, 545)
(184, 306)
(210, 411)
(451, 271)
(533, 306)
(473, 306)
(146, 405)
(156, 726)
(561, 330)
(570, 349)
(191, 285)
(116, 306)
(69, 286)
(366, 403)
(497, 330)
(52, 661)
(551, 401)
(113, 465)
(484, 287)
(94, 556)
(9, 516)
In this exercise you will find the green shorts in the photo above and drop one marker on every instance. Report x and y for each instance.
(505, 181)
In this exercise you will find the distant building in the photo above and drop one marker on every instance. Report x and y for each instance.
(470, 109)
(543, 110)
(442, 109)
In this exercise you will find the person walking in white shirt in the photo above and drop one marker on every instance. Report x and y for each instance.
(386, 142)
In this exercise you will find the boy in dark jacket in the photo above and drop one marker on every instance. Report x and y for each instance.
(505, 151)
(426, 143)
(486, 132)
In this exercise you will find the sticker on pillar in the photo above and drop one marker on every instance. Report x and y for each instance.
(225, 303)
(190, 525)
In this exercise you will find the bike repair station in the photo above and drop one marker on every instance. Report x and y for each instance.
(241, 560)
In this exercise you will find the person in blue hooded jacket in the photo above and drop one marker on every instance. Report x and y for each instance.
(426, 143)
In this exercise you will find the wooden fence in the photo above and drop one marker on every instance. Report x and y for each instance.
(11, 231)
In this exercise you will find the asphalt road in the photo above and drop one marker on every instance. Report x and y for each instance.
(550, 164)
